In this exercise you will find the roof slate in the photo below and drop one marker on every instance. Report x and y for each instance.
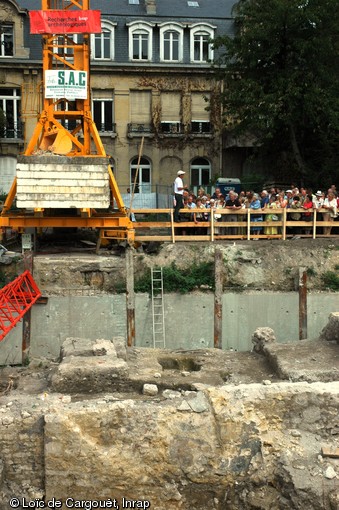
(165, 8)
(215, 12)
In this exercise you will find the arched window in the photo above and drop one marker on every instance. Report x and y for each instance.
(140, 41)
(201, 48)
(171, 42)
(143, 180)
(200, 172)
(102, 44)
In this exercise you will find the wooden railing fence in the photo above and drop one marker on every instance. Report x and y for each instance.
(165, 229)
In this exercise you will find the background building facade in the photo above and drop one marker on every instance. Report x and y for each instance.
(150, 77)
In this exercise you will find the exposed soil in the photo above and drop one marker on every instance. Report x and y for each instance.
(247, 265)
(185, 370)
(257, 265)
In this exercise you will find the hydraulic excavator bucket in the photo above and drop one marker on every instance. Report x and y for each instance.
(57, 141)
(62, 144)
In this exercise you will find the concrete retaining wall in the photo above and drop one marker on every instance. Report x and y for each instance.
(188, 320)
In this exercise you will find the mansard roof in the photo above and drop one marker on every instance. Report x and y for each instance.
(217, 13)
(173, 9)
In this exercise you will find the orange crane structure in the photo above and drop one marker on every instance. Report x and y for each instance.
(16, 298)
(64, 177)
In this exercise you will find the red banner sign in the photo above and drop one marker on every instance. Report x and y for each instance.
(65, 22)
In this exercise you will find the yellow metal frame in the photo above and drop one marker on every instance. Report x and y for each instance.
(51, 136)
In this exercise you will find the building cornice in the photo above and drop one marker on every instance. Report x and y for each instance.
(19, 9)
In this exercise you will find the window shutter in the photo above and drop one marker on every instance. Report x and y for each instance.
(170, 107)
(140, 104)
(198, 107)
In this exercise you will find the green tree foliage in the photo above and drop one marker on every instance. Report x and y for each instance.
(331, 280)
(281, 75)
(180, 280)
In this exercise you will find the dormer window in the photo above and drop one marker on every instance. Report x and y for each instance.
(6, 40)
(171, 42)
(201, 48)
(64, 45)
(103, 43)
(140, 41)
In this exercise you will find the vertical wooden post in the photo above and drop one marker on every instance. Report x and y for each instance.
(248, 224)
(314, 229)
(212, 224)
(218, 274)
(130, 297)
(302, 303)
(172, 226)
(26, 323)
(284, 224)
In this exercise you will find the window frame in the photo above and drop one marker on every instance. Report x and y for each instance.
(171, 27)
(62, 105)
(103, 100)
(16, 99)
(3, 33)
(107, 27)
(140, 28)
(201, 30)
(141, 186)
(67, 55)
(200, 168)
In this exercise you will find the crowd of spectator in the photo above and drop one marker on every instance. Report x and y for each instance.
(300, 204)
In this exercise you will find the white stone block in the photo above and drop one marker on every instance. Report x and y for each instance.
(62, 182)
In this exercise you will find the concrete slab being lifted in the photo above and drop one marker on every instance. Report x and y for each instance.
(61, 182)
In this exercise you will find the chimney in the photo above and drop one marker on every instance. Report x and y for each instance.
(151, 6)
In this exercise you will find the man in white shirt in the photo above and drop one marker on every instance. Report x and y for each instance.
(178, 194)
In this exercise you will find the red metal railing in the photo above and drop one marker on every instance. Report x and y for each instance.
(15, 299)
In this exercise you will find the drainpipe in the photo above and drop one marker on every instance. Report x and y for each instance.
(221, 137)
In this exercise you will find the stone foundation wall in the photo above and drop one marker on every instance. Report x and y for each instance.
(235, 447)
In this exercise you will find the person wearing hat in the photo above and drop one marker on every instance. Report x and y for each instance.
(318, 200)
(289, 197)
(178, 194)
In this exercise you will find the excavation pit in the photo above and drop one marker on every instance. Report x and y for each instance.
(182, 364)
